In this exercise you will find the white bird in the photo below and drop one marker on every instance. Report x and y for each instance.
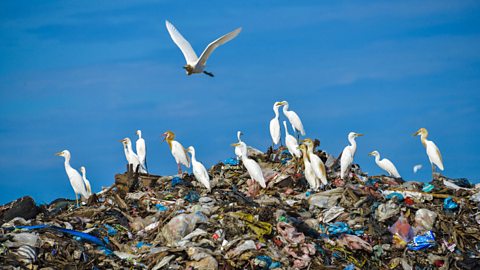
(199, 170)
(141, 149)
(195, 64)
(275, 124)
(309, 173)
(317, 164)
(385, 164)
(291, 143)
(85, 180)
(238, 151)
(178, 151)
(348, 154)
(417, 167)
(252, 166)
(75, 178)
(432, 150)
(293, 119)
(132, 158)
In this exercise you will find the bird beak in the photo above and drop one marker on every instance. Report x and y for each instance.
(122, 140)
(235, 144)
(59, 154)
(370, 154)
(303, 141)
(416, 133)
(359, 135)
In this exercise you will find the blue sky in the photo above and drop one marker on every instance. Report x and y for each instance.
(80, 75)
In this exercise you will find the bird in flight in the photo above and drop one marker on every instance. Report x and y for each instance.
(195, 64)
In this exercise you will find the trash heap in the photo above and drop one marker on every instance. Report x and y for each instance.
(170, 222)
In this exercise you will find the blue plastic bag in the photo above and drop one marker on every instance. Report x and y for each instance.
(338, 228)
(192, 196)
(161, 207)
(419, 242)
(395, 194)
(428, 187)
(449, 204)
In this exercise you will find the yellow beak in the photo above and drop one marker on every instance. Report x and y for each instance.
(59, 154)
(359, 135)
(416, 133)
(370, 154)
(235, 144)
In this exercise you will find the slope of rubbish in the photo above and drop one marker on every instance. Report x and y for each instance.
(167, 222)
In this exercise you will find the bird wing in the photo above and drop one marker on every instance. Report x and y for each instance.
(390, 168)
(76, 180)
(182, 43)
(296, 122)
(345, 161)
(275, 130)
(434, 154)
(318, 168)
(201, 174)
(255, 171)
(141, 149)
(292, 145)
(212, 46)
(180, 154)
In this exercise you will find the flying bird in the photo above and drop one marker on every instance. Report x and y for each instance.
(199, 170)
(293, 119)
(417, 167)
(75, 178)
(348, 154)
(195, 64)
(291, 143)
(238, 151)
(309, 173)
(178, 152)
(132, 158)
(317, 164)
(385, 164)
(433, 153)
(141, 150)
(85, 180)
(252, 166)
(275, 124)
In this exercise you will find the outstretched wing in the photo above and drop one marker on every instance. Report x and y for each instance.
(212, 46)
(182, 43)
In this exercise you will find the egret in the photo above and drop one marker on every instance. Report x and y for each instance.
(199, 170)
(75, 178)
(275, 124)
(433, 153)
(195, 64)
(85, 180)
(141, 149)
(238, 151)
(385, 164)
(252, 166)
(291, 143)
(309, 173)
(293, 119)
(317, 164)
(178, 152)
(132, 158)
(348, 154)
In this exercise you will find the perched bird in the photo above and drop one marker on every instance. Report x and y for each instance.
(293, 119)
(432, 150)
(85, 180)
(195, 64)
(291, 143)
(199, 170)
(309, 173)
(178, 152)
(348, 154)
(385, 164)
(132, 158)
(252, 166)
(417, 167)
(141, 150)
(75, 178)
(275, 124)
(317, 164)
(238, 151)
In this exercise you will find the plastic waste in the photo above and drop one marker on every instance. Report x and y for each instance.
(338, 228)
(396, 195)
(428, 187)
(161, 207)
(402, 232)
(449, 204)
(424, 220)
(423, 241)
(181, 225)
(192, 196)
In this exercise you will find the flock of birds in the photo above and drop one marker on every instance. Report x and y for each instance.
(314, 168)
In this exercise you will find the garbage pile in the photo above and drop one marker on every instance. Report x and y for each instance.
(171, 222)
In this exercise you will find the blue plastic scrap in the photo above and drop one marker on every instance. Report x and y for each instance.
(428, 187)
(419, 242)
(338, 228)
(110, 230)
(231, 162)
(192, 196)
(176, 181)
(399, 196)
(76, 234)
(349, 267)
(161, 207)
(449, 204)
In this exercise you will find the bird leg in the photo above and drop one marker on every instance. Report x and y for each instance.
(76, 199)
(179, 169)
(433, 171)
(208, 73)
